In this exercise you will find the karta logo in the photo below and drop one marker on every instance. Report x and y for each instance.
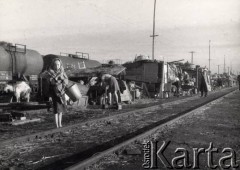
(181, 157)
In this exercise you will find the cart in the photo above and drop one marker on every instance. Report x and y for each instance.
(188, 90)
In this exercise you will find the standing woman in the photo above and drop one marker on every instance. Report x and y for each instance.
(58, 81)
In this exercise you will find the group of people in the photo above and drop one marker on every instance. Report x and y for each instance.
(58, 81)
(184, 79)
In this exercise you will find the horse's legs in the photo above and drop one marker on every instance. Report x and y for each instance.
(11, 100)
(17, 94)
(28, 97)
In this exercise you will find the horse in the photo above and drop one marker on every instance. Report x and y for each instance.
(19, 90)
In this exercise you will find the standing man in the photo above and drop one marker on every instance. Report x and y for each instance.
(238, 78)
(113, 89)
(203, 82)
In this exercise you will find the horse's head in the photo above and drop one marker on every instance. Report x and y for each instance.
(131, 85)
(8, 88)
(94, 81)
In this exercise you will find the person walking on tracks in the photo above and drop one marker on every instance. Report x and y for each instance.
(58, 80)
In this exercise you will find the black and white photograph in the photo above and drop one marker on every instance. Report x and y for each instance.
(119, 84)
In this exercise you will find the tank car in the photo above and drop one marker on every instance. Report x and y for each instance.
(19, 63)
(71, 62)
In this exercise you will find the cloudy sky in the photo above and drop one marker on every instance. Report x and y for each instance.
(121, 29)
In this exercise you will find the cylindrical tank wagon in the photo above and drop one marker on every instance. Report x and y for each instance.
(17, 61)
(71, 62)
(21, 64)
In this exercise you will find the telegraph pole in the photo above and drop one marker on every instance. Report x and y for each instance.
(153, 35)
(224, 70)
(209, 56)
(218, 69)
(192, 56)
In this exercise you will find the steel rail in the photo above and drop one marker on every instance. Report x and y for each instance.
(46, 133)
(171, 120)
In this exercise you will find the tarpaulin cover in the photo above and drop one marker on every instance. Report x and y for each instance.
(113, 70)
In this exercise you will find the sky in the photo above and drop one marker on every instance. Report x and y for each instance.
(121, 29)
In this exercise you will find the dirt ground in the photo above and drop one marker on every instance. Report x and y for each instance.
(215, 128)
(72, 116)
(68, 143)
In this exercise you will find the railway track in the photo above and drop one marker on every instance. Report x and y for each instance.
(46, 133)
(72, 117)
(100, 134)
(140, 137)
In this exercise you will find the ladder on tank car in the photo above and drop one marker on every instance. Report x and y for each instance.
(13, 49)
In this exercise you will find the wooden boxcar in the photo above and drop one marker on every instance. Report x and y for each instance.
(147, 73)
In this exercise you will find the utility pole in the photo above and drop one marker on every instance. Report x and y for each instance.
(209, 56)
(153, 35)
(228, 71)
(192, 56)
(224, 70)
(218, 69)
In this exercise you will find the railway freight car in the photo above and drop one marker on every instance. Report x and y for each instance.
(146, 73)
(155, 77)
(19, 64)
(72, 62)
(74, 65)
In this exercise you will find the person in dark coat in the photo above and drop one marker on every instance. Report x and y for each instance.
(203, 84)
(113, 88)
(238, 78)
(58, 80)
(177, 83)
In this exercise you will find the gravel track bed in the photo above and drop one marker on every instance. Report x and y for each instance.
(73, 116)
(44, 152)
(216, 123)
